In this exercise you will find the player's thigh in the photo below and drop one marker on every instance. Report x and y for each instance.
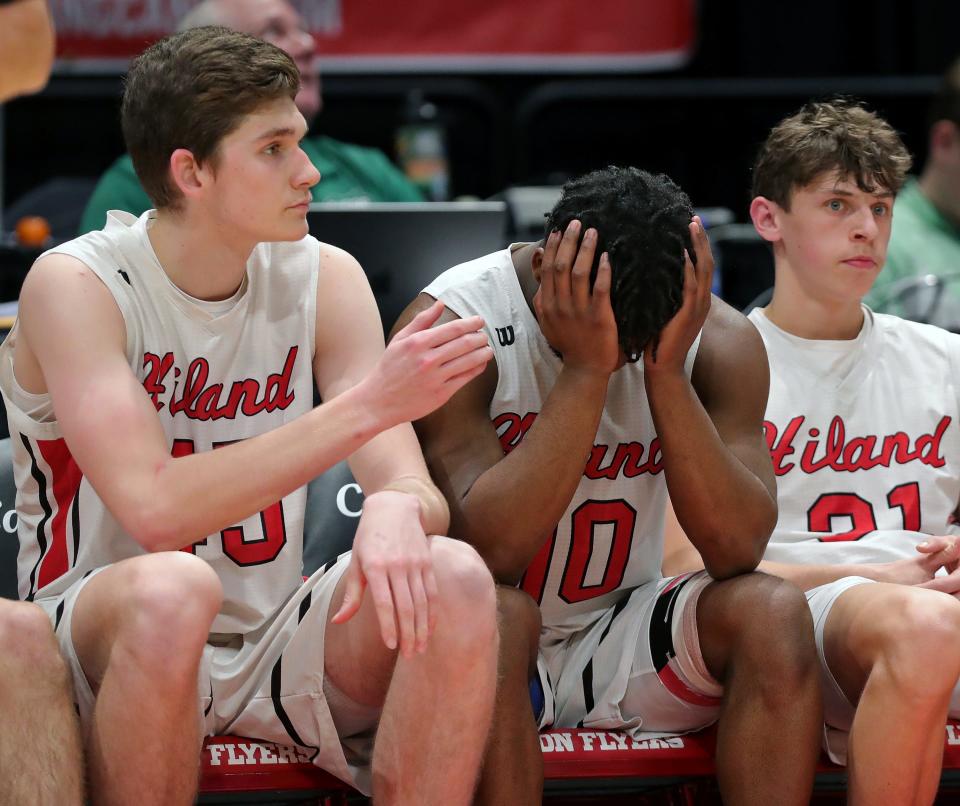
(639, 664)
(161, 599)
(868, 622)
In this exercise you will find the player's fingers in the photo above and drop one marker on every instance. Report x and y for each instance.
(464, 363)
(464, 345)
(931, 545)
(432, 591)
(563, 264)
(703, 252)
(690, 284)
(947, 584)
(421, 609)
(403, 604)
(352, 594)
(422, 321)
(544, 296)
(451, 331)
(452, 385)
(580, 275)
(383, 604)
(601, 286)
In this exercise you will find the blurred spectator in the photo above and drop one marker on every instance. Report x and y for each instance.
(348, 172)
(26, 46)
(926, 223)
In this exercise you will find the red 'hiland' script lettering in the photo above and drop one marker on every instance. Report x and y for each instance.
(199, 401)
(834, 450)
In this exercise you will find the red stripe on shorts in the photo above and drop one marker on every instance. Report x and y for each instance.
(65, 476)
(682, 691)
(676, 581)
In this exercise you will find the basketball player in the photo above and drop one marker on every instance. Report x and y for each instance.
(862, 425)
(557, 459)
(158, 383)
(40, 756)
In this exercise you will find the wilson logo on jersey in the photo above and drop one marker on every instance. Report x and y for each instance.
(835, 451)
(505, 335)
(198, 401)
(629, 459)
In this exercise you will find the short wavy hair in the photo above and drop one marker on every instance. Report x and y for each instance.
(190, 90)
(836, 136)
(642, 221)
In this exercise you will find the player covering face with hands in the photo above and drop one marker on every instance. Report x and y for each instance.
(557, 458)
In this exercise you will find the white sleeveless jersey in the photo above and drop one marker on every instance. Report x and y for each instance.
(610, 539)
(865, 440)
(214, 379)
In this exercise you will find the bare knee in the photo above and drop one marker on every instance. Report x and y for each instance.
(467, 596)
(770, 632)
(919, 642)
(28, 646)
(173, 599)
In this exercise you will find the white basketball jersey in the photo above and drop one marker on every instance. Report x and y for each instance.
(610, 539)
(864, 439)
(215, 377)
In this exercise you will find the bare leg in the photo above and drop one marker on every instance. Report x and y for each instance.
(757, 639)
(894, 649)
(40, 756)
(513, 765)
(139, 629)
(437, 705)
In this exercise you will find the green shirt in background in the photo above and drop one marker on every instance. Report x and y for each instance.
(347, 173)
(922, 242)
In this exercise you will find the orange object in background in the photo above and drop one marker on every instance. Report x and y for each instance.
(33, 230)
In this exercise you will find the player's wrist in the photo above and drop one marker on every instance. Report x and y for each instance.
(433, 509)
(371, 408)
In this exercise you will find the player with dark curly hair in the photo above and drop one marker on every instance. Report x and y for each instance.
(646, 217)
(557, 460)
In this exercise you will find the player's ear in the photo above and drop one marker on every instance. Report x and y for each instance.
(187, 174)
(765, 215)
(536, 262)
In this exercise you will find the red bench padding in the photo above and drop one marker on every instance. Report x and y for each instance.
(232, 764)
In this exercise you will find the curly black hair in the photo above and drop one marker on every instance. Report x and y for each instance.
(642, 220)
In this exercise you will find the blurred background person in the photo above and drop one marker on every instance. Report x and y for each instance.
(348, 172)
(926, 224)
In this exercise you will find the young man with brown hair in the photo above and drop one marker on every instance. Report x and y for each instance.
(159, 388)
(557, 460)
(350, 172)
(862, 424)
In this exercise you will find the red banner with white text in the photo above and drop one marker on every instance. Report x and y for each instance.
(367, 35)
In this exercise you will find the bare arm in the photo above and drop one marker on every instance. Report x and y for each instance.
(26, 47)
(715, 459)
(680, 556)
(72, 330)
(349, 309)
(506, 506)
